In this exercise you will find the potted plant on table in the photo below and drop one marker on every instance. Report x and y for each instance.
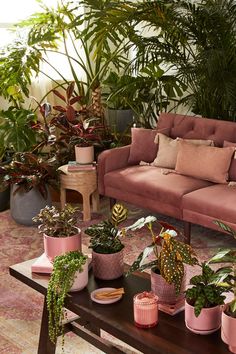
(59, 229)
(70, 273)
(204, 299)
(79, 128)
(167, 265)
(228, 328)
(29, 176)
(107, 248)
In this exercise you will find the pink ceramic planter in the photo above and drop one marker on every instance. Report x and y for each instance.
(108, 266)
(84, 154)
(207, 322)
(228, 331)
(55, 246)
(165, 292)
(81, 279)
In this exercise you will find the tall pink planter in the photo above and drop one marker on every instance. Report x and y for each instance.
(165, 292)
(55, 246)
(207, 322)
(228, 331)
(108, 266)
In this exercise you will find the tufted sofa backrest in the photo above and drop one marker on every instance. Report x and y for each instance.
(189, 127)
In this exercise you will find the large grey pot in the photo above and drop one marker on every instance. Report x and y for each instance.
(25, 205)
(5, 199)
(119, 120)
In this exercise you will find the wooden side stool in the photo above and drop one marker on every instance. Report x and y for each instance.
(84, 182)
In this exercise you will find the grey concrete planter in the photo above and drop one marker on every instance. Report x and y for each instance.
(25, 205)
(119, 120)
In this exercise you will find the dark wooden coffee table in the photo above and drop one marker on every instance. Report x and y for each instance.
(170, 336)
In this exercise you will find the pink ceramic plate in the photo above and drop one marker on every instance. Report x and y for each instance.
(104, 302)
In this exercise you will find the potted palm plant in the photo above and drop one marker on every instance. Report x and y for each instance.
(29, 176)
(228, 328)
(70, 273)
(59, 229)
(167, 265)
(107, 248)
(204, 299)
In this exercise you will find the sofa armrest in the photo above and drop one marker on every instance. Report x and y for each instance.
(110, 160)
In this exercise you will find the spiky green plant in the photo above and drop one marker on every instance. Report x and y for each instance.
(228, 256)
(170, 254)
(207, 288)
(105, 237)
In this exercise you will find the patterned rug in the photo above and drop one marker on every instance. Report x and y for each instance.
(21, 307)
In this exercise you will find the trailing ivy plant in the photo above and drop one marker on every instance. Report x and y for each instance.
(105, 236)
(208, 288)
(61, 280)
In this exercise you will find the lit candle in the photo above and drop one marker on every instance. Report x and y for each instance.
(145, 309)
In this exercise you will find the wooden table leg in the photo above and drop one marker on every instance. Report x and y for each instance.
(62, 197)
(45, 345)
(95, 201)
(86, 206)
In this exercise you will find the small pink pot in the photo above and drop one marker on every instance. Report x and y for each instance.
(207, 322)
(165, 292)
(84, 154)
(81, 279)
(55, 246)
(228, 331)
(108, 266)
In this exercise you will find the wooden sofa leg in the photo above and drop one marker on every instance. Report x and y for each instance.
(187, 232)
(112, 202)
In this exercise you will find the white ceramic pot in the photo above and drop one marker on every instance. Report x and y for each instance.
(81, 279)
(207, 322)
(228, 331)
(56, 246)
(84, 154)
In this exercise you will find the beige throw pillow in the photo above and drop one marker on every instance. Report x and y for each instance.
(204, 162)
(168, 149)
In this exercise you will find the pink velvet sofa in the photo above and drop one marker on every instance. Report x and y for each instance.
(179, 195)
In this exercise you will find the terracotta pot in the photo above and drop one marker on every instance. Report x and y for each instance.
(81, 279)
(55, 246)
(166, 292)
(207, 322)
(84, 154)
(228, 331)
(108, 266)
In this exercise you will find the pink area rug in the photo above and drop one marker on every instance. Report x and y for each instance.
(21, 307)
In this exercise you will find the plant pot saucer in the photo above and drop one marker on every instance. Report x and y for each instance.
(202, 332)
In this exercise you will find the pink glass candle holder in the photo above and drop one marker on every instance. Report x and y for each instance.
(145, 309)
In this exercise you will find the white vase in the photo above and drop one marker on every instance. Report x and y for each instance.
(84, 154)
(81, 279)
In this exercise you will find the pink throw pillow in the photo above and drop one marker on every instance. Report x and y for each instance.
(232, 168)
(204, 162)
(168, 149)
(142, 147)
